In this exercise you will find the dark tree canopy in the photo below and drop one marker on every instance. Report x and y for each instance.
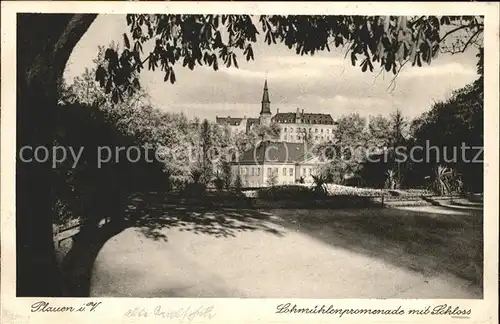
(387, 41)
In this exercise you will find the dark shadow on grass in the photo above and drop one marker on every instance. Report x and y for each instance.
(426, 242)
(153, 215)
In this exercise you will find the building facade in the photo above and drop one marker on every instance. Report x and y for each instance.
(299, 127)
(276, 163)
(295, 127)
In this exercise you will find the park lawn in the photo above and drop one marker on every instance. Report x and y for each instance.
(427, 239)
(191, 251)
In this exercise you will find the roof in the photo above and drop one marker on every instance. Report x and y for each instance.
(233, 121)
(252, 121)
(266, 109)
(265, 94)
(269, 152)
(307, 118)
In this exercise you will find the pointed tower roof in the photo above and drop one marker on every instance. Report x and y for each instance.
(265, 100)
(265, 95)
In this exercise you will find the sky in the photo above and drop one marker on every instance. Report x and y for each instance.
(323, 83)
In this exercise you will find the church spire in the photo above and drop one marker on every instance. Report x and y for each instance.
(266, 104)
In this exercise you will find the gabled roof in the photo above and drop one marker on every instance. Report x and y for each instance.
(276, 152)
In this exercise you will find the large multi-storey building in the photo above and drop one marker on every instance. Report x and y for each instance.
(296, 127)
(299, 127)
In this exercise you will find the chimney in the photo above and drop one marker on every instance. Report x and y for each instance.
(277, 111)
(302, 111)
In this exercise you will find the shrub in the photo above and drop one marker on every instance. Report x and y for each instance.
(286, 193)
(339, 190)
(194, 190)
(219, 184)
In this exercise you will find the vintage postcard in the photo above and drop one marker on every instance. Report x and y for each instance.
(225, 162)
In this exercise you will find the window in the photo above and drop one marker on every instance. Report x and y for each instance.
(328, 131)
(310, 171)
(322, 130)
(316, 130)
(304, 171)
(285, 129)
(258, 171)
(310, 129)
(276, 170)
(269, 170)
(291, 171)
(317, 137)
(291, 130)
(253, 171)
(244, 171)
(284, 171)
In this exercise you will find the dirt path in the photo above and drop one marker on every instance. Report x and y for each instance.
(282, 263)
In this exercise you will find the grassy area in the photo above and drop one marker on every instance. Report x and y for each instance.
(428, 240)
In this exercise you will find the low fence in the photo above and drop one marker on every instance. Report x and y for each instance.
(66, 231)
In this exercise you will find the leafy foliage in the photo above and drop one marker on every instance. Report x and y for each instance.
(226, 174)
(445, 181)
(320, 181)
(379, 131)
(390, 182)
(214, 40)
(219, 182)
(238, 183)
(346, 151)
(451, 125)
(398, 129)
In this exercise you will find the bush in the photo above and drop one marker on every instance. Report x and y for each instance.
(286, 193)
(194, 190)
(339, 190)
(219, 184)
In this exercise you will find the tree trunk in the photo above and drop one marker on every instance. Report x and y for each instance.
(44, 44)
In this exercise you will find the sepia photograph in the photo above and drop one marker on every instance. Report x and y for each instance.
(285, 156)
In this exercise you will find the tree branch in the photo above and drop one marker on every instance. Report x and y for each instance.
(378, 74)
(470, 40)
(453, 31)
(393, 81)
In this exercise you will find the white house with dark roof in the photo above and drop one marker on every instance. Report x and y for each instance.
(286, 163)
(296, 127)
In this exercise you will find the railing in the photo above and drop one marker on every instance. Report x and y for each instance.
(66, 231)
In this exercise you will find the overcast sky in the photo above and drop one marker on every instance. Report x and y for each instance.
(325, 83)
